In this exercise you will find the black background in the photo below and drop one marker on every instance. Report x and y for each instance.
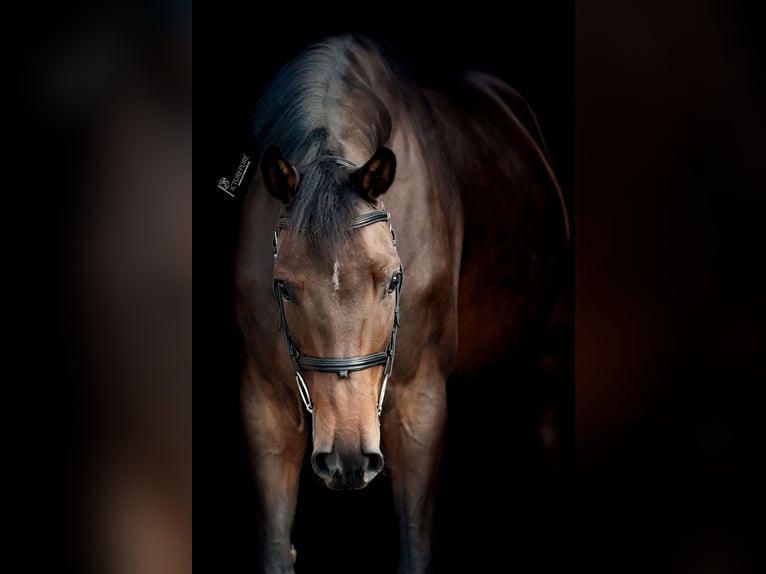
(500, 503)
(664, 157)
(664, 154)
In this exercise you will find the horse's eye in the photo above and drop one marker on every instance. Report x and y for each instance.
(281, 289)
(395, 280)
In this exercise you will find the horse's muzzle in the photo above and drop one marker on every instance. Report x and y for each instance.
(347, 470)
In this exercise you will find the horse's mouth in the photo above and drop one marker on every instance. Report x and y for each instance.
(347, 481)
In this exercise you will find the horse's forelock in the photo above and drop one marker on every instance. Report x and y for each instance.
(300, 112)
(323, 207)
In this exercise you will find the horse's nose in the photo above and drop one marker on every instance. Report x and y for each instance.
(323, 462)
(347, 470)
(374, 462)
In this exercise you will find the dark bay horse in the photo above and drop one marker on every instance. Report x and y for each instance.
(407, 234)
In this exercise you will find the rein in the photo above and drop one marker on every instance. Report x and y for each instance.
(343, 366)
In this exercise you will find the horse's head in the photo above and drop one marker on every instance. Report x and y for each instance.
(337, 286)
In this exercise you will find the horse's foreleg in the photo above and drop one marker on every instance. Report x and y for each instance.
(413, 432)
(277, 438)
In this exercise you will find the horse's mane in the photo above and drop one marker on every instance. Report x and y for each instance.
(300, 112)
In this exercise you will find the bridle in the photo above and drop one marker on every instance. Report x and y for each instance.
(298, 361)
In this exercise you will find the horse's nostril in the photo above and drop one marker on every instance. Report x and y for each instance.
(351, 470)
(374, 461)
(319, 463)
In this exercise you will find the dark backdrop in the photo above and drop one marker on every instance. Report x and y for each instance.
(670, 210)
(501, 503)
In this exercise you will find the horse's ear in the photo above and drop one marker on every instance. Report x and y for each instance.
(376, 176)
(280, 177)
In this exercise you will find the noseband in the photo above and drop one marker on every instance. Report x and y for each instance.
(298, 361)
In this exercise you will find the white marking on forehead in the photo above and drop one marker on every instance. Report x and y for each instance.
(336, 276)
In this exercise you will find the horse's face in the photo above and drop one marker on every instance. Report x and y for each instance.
(340, 306)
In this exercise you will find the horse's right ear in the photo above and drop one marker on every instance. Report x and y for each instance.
(377, 175)
(280, 177)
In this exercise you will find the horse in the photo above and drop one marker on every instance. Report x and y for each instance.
(399, 233)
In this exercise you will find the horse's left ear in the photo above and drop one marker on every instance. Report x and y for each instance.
(376, 176)
(280, 177)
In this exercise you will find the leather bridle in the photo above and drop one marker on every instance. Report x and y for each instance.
(343, 366)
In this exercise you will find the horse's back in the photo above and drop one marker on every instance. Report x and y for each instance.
(515, 252)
